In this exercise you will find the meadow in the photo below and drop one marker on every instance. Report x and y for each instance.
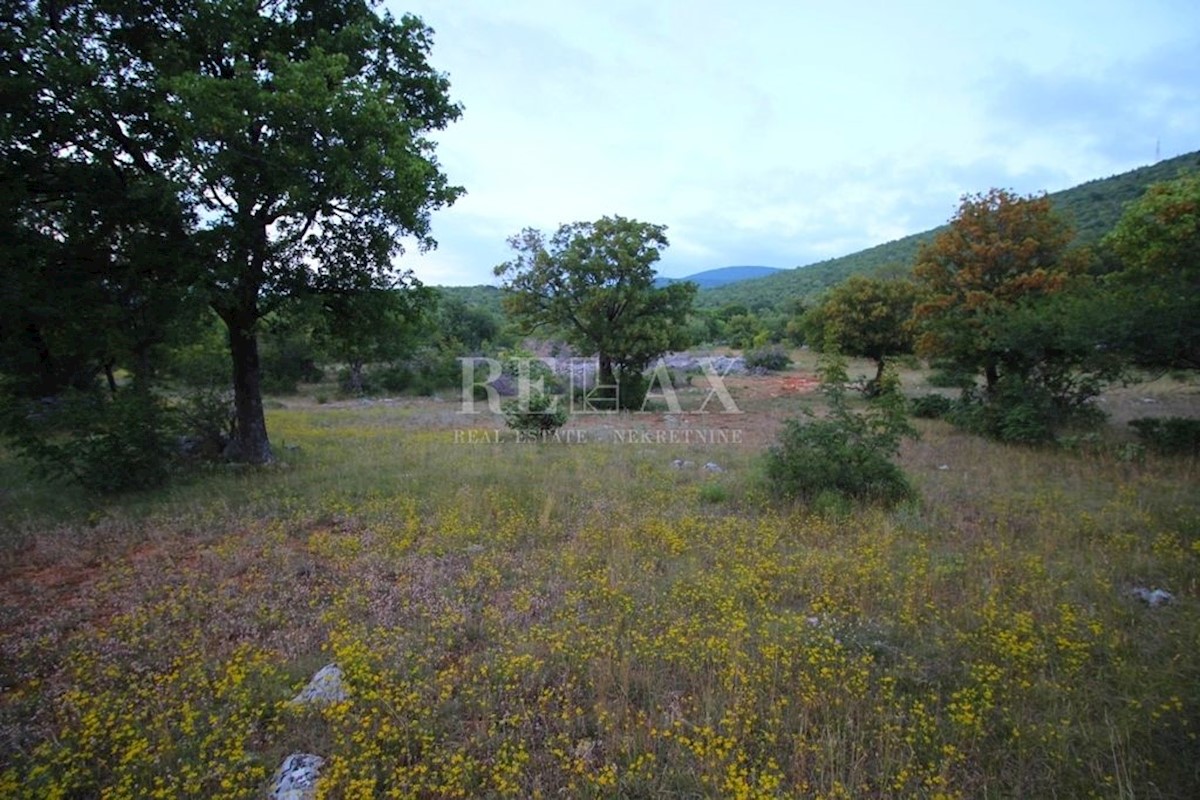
(587, 619)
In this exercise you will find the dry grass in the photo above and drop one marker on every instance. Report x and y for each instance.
(584, 619)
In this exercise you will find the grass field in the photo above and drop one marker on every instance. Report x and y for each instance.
(584, 619)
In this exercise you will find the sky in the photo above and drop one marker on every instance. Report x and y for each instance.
(766, 132)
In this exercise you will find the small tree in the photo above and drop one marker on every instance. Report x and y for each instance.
(869, 318)
(369, 326)
(593, 282)
(535, 414)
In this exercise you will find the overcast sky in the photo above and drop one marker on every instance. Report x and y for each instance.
(783, 133)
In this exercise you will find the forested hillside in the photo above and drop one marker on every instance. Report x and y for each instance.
(1092, 207)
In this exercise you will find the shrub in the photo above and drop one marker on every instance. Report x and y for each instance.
(771, 358)
(931, 406)
(207, 419)
(105, 443)
(535, 415)
(712, 493)
(287, 360)
(1169, 435)
(848, 453)
(1021, 412)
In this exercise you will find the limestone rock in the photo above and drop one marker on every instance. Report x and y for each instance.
(1152, 597)
(325, 687)
(296, 778)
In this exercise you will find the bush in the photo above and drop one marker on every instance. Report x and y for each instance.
(771, 358)
(848, 453)
(1169, 435)
(1021, 412)
(105, 443)
(287, 359)
(535, 415)
(931, 406)
(207, 421)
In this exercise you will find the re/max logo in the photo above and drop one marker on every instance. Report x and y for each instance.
(587, 396)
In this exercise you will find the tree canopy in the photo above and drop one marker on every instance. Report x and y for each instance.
(1157, 243)
(866, 317)
(593, 284)
(999, 250)
(232, 153)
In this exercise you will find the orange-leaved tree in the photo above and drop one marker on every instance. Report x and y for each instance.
(999, 251)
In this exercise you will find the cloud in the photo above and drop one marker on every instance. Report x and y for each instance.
(783, 134)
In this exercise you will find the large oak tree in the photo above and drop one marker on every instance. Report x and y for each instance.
(284, 145)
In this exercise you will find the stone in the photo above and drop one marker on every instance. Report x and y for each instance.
(325, 687)
(712, 466)
(296, 778)
(1152, 597)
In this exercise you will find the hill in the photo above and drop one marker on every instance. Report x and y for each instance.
(1092, 207)
(722, 276)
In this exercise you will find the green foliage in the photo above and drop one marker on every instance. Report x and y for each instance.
(771, 358)
(848, 453)
(931, 406)
(518, 361)
(947, 375)
(203, 359)
(535, 414)
(288, 357)
(1169, 435)
(1022, 410)
(866, 317)
(593, 283)
(1157, 245)
(471, 320)
(105, 443)
(370, 326)
(712, 493)
(238, 154)
(207, 421)
(427, 372)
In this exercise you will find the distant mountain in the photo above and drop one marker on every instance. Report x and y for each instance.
(1092, 207)
(722, 276)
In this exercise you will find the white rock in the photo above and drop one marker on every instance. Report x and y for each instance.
(1152, 597)
(296, 778)
(325, 687)
(713, 467)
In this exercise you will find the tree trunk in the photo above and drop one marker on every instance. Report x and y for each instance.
(249, 443)
(607, 394)
(993, 377)
(356, 377)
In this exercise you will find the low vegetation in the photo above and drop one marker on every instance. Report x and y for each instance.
(539, 619)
